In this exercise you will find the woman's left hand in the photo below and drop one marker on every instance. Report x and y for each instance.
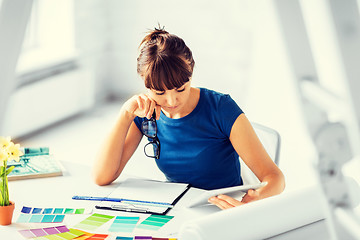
(225, 202)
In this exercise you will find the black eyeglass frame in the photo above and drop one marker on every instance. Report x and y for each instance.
(152, 139)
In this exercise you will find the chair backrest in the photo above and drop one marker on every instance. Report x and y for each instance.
(271, 141)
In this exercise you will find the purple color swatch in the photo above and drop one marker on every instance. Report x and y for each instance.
(51, 230)
(39, 232)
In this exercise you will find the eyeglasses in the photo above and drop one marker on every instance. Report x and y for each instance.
(149, 129)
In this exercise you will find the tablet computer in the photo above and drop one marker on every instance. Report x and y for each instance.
(203, 198)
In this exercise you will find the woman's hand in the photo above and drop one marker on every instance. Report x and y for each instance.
(142, 106)
(225, 202)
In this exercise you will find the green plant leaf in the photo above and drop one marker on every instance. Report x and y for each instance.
(2, 192)
(9, 170)
(2, 203)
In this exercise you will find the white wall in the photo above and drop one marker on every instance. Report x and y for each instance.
(219, 33)
(43, 103)
(34, 106)
(273, 99)
(93, 42)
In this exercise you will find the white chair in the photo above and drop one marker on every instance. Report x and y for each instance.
(271, 141)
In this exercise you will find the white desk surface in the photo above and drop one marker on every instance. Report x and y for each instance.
(58, 192)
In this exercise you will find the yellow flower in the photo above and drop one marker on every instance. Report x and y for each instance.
(5, 142)
(14, 152)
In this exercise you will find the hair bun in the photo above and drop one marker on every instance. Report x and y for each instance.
(154, 34)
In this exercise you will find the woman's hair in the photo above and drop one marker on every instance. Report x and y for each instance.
(164, 62)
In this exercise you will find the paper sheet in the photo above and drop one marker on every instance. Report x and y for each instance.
(149, 190)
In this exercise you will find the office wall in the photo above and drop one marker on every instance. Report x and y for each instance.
(219, 33)
(93, 42)
(273, 98)
(48, 98)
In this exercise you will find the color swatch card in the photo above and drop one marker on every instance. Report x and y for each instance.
(85, 236)
(34, 210)
(71, 234)
(133, 238)
(94, 237)
(124, 224)
(40, 218)
(143, 238)
(156, 238)
(124, 238)
(154, 222)
(94, 221)
(39, 232)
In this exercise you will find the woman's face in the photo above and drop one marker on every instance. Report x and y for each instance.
(172, 101)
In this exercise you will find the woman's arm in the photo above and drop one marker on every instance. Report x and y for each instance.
(116, 150)
(250, 149)
(123, 139)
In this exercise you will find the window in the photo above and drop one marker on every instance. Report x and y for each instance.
(48, 44)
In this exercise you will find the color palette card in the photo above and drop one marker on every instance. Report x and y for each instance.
(35, 210)
(124, 224)
(154, 222)
(156, 238)
(71, 234)
(94, 221)
(85, 236)
(143, 238)
(95, 237)
(133, 238)
(39, 232)
(124, 238)
(40, 218)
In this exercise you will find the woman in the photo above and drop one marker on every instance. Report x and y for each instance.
(199, 133)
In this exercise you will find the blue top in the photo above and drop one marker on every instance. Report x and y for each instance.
(196, 149)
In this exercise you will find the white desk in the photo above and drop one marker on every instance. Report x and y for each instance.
(58, 192)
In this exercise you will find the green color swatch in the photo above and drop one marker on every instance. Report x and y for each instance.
(124, 224)
(69, 211)
(94, 221)
(80, 211)
(154, 222)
